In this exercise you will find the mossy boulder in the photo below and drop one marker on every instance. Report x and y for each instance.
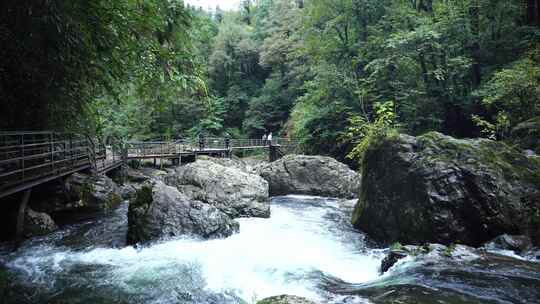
(96, 193)
(37, 223)
(438, 189)
(527, 134)
(77, 193)
(285, 299)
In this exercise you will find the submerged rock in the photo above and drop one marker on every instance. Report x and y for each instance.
(392, 257)
(236, 193)
(160, 211)
(37, 223)
(516, 243)
(432, 251)
(310, 175)
(285, 299)
(435, 188)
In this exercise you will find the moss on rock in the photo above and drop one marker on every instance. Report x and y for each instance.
(435, 188)
(285, 299)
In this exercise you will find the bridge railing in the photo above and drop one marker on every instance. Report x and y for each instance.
(29, 156)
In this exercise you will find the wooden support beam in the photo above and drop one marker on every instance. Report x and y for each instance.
(20, 215)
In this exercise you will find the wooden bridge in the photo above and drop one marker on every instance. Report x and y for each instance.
(28, 159)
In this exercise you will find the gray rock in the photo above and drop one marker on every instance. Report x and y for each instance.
(135, 176)
(311, 175)
(128, 190)
(435, 188)
(37, 223)
(227, 162)
(285, 299)
(392, 257)
(517, 243)
(236, 193)
(432, 251)
(77, 193)
(159, 211)
(96, 193)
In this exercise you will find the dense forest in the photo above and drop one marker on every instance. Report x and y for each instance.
(327, 72)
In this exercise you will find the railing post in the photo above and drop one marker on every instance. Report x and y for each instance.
(22, 157)
(51, 140)
(21, 214)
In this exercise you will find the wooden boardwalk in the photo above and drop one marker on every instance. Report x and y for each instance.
(28, 159)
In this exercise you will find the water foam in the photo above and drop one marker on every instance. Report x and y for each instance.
(280, 255)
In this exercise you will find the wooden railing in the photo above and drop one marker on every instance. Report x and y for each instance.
(30, 156)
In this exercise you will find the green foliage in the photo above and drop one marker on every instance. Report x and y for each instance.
(449, 251)
(65, 54)
(396, 246)
(367, 132)
(510, 96)
(498, 129)
(315, 70)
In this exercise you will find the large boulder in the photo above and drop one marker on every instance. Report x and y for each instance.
(527, 134)
(285, 299)
(37, 223)
(77, 193)
(227, 162)
(435, 188)
(311, 175)
(95, 193)
(160, 211)
(236, 193)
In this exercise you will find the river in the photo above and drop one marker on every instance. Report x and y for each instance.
(307, 248)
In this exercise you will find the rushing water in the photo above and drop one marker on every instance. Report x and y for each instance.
(306, 248)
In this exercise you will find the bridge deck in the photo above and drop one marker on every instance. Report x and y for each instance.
(28, 159)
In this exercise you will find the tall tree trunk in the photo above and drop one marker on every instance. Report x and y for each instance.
(424, 69)
(475, 47)
(538, 13)
(532, 8)
(530, 11)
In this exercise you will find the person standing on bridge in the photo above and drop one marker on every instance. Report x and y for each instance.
(201, 141)
(269, 138)
(227, 141)
(264, 139)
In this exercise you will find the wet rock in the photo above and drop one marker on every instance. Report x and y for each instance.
(310, 175)
(435, 188)
(128, 190)
(37, 223)
(160, 211)
(426, 251)
(236, 193)
(96, 193)
(285, 299)
(393, 256)
(517, 243)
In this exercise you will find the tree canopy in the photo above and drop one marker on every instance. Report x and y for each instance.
(311, 69)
